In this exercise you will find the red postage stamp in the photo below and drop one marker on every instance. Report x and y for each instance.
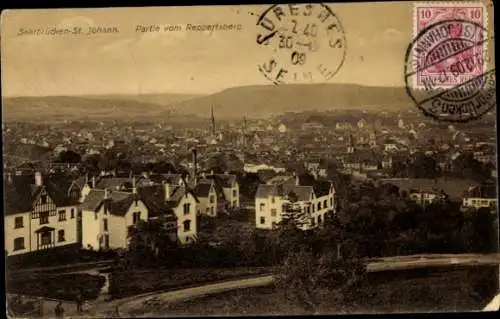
(454, 32)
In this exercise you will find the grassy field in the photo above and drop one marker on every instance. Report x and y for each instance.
(132, 283)
(407, 291)
(64, 286)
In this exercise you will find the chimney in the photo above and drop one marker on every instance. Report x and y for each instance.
(93, 181)
(195, 166)
(38, 179)
(166, 187)
(212, 172)
(134, 188)
(297, 180)
(105, 193)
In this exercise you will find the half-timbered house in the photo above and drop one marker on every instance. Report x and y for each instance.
(39, 215)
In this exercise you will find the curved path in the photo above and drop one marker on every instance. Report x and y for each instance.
(101, 308)
(134, 302)
(381, 264)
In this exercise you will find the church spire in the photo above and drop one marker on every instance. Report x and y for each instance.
(213, 119)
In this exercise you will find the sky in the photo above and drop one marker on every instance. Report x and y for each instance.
(131, 62)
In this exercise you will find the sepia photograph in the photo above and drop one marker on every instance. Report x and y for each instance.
(274, 160)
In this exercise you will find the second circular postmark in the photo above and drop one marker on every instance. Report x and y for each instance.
(306, 43)
(448, 73)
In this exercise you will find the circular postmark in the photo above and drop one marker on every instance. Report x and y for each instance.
(306, 43)
(447, 71)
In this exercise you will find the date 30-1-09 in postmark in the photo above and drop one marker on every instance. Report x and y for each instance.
(306, 43)
(446, 70)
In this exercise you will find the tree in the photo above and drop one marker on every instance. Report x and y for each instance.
(90, 164)
(163, 167)
(148, 241)
(424, 166)
(68, 156)
(466, 166)
(309, 281)
(249, 182)
(217, 163)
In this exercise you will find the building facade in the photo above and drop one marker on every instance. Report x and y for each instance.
(39, 216)
(309, 204)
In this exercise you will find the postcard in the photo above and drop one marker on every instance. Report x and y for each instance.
(280, 159)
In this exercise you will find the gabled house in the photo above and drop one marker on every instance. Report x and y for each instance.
(39, 215)
(207, 196)
(426, 191)
(85, 184)
(310, 203)
(386, 161)
(160, 213)
(183, 203)
(173, 179)
(114, 183)
(230, 188)
(107, 216)
(481, 196)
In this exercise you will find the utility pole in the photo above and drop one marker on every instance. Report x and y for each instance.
(244, 131)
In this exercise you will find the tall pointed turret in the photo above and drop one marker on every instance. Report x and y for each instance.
(244, 131)
(213, 119)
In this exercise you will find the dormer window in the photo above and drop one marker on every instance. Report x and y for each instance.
(43, 199)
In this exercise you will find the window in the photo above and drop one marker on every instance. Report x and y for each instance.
(105, 224)
(44, 218)
(207, 210)
(19, 243)
(473, 202)
(262, 206)
(72, 213)
(46, 238)
(273, 212)
(60, 235)
(313, 222)
(319, 206)
(313, 207)
(272, 200)
(187, 207)
(212, 210)
(331, 201)
(19, 222)
(62, 215)
(325, 204)
(235, 193)
(262, 220)
(43, 199)
(187, 225)
(136, 217)
(320, 220)
(212, 199)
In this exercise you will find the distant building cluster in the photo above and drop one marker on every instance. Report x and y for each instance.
(87, 184)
